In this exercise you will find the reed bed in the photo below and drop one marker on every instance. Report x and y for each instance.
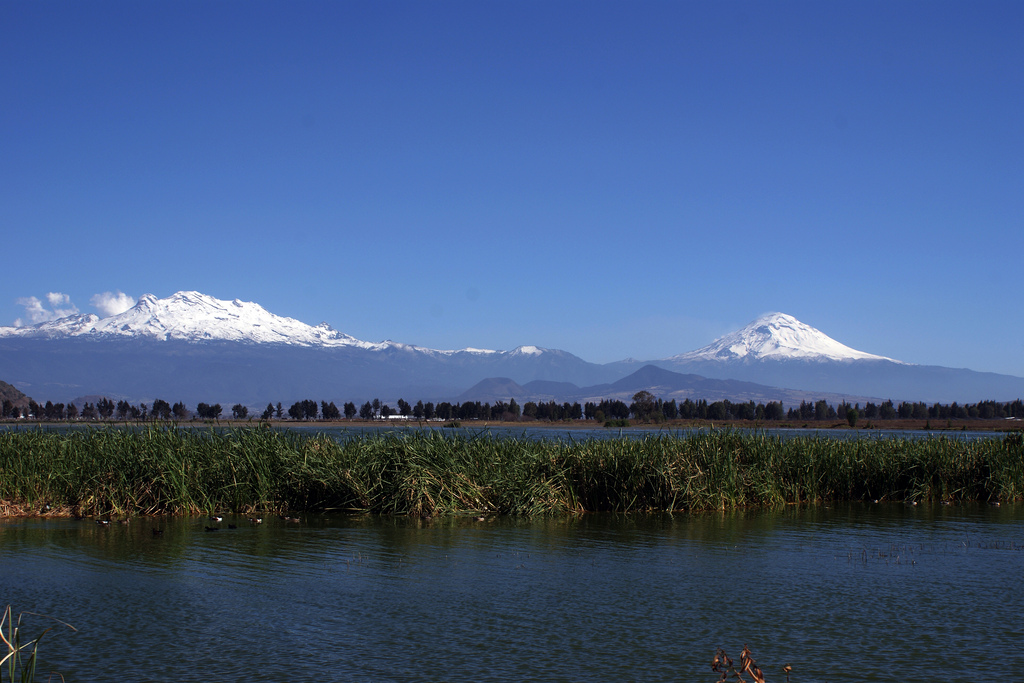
(109, 472)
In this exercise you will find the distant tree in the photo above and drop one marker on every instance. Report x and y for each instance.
(161, 409)
(417, 410)
(717, 411)
(88, 411)
(179, 411)
(376, 406)
(743, 411)
(123, 408)
(643, 405)
(239, 412)
(6, 408)
(851, 416)
(386, 410)
(72, 411)
(514, 408)
(821, 410)
(366, 411)
(295, 412)
(329, 411)
(428, 410)
(350, 410)
(404, 408)
(278, 412)
(105, 407)
(268, 412)
(467, 410)
(886, 411)
(208, 412)
(614, 409)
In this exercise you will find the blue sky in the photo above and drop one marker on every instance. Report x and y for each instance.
(628, 179)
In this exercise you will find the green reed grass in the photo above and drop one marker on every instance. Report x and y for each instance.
(20, 653)
(187, 471)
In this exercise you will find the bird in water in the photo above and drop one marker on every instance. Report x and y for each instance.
(216, 518)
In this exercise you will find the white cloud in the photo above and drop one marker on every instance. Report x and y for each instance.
(111, 303)
(60, 307)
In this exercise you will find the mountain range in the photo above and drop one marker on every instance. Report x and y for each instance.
(193, 347)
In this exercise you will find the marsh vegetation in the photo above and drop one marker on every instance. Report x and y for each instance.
(120, 472)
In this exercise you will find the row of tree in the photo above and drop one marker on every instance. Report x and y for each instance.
(645, 407)
(984, 410)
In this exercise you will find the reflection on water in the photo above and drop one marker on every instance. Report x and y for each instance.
(850, 593)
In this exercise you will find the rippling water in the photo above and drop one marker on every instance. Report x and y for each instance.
(850, 593)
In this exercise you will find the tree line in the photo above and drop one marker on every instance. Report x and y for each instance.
(645, 407)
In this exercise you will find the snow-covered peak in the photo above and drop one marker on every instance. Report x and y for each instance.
(776, 336)
(193, 317)
(196, 317)
(527, 351)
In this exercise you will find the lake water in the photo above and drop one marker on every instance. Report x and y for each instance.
(847, 593)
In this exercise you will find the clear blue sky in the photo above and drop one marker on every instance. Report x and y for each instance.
(627, 179)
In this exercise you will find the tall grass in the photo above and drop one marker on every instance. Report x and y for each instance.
(20, 653)
(183, 471)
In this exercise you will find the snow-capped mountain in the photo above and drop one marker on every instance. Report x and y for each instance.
(190, 345)
(196, 318)
(776, 336)
(191, 317)
(194, 347)
(780, 351)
